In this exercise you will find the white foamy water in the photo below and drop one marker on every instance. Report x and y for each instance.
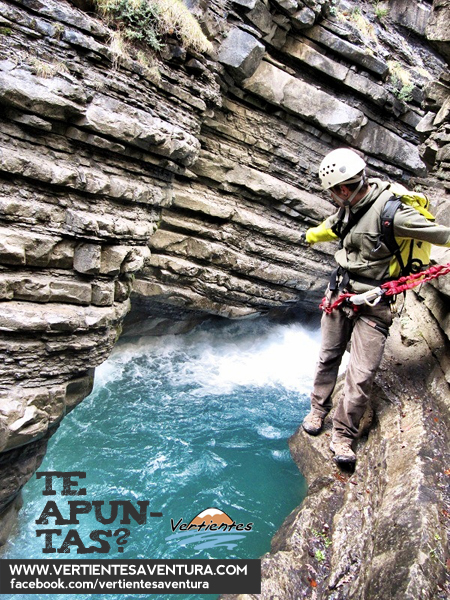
(218, 362)
(187, 422)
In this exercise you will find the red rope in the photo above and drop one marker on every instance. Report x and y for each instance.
(328, 308)
(394, 287)
(410, 281)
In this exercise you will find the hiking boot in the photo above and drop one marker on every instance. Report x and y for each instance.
(343, 453)
(313, 423)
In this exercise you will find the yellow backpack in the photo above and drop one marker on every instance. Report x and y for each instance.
(412, 255)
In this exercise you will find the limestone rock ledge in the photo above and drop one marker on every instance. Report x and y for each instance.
(75, 218)
(381, 531)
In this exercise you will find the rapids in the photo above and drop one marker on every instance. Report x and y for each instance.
(186, 422)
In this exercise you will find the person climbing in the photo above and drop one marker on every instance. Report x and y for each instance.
(365, 259)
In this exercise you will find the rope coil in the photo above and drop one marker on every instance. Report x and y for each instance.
(389, 288)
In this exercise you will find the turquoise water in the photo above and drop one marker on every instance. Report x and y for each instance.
(186, 422)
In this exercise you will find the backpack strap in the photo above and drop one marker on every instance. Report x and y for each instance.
(354, 218)
(387, 230)
(336, 228)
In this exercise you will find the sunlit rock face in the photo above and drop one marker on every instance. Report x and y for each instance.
(180, 187)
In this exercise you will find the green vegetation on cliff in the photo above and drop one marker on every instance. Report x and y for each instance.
(150, 21)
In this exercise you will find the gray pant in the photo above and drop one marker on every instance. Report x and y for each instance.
(367, 346)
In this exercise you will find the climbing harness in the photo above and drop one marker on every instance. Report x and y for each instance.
(389, 288)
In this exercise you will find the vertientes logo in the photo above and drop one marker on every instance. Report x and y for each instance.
(210, 528)
(211, 519)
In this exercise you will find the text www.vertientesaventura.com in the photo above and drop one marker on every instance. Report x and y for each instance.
(152, 570)
(134, 576)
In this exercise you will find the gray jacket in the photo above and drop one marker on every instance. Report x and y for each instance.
(363, 253)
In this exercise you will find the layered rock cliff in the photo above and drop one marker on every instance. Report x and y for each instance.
(178, 184)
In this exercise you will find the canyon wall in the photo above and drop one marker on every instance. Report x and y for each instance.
(150, 192)
(380, 532)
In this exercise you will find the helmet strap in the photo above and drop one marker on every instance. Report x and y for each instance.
(346, 218)
(347, 203)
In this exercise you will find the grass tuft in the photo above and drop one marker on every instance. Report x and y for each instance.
(367, 30)
(149, 21)
(47, 70)
(118, 48)
(401, 81)
(319, 555)
(381, 10)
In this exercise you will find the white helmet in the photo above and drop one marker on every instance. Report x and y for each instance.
(341, 166)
